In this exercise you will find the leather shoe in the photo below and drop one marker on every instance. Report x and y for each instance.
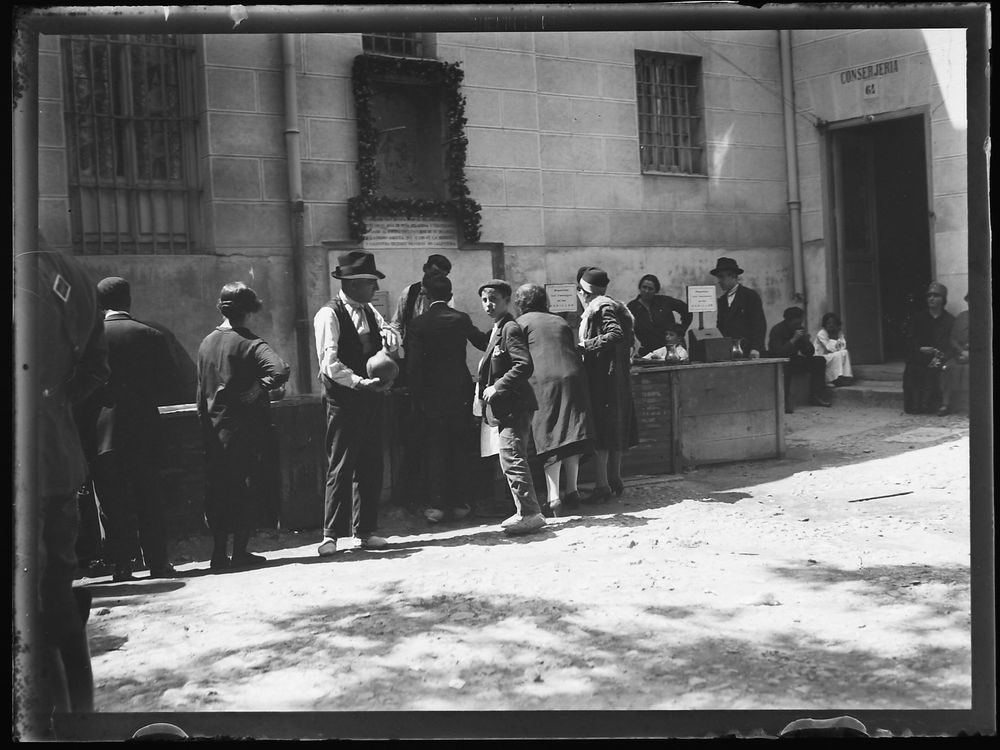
(433, 515)
(789, 409)
(247, 559)
(617, 487)
(557, 509)
(163, 571)
(374, 542)
(219, 563)
(571, 500)
(599, 495)
(817, 401)
(122, 574)
(327, 547)
(526, 525)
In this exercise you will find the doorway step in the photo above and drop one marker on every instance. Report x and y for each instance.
(874, 385)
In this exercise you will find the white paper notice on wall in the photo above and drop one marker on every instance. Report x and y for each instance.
(562, 297)
(380, 301)
(701, 298)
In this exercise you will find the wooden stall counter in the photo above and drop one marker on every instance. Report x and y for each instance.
(703, 413)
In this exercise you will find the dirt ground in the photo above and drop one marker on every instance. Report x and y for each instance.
(792, 583)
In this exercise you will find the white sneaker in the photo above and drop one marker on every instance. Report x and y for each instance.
(328, 547)
(526, 525)
(374, 542)
(434, 515)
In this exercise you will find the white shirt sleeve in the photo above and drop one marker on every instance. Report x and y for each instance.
(327, 330)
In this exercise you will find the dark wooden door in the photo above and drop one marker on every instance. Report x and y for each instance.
(855, 201)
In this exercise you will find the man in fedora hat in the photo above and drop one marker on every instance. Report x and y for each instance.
(741, 313)
(349, 332)
(789, 339)
(144, 376)
(928, 348)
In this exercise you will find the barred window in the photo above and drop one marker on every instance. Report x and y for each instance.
(131, 134)
(401, 44)
(671, 131)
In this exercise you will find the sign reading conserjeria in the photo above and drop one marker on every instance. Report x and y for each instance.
(867, 72)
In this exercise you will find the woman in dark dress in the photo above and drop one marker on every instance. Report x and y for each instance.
(607, 339)
(654, 314)
(562, 428)
(236, 373)
(929, 347)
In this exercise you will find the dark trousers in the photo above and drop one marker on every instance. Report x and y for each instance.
(815, 367)
(88, 542)
(445, 448)
(127, 490)
(921, 388)
(234, 485)
(58, 525)
(354, 462)
(514, 463)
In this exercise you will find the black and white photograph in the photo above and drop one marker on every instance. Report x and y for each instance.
(474, 371)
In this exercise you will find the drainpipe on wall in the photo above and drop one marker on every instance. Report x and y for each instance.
(792, 162)
(297, 207)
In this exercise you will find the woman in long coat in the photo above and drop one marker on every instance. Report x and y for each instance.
(237, 371)
(562, 429)
(607, 339)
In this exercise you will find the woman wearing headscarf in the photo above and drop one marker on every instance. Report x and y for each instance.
(562, 428)
(607, 339)
(654, 314)
(238, 374)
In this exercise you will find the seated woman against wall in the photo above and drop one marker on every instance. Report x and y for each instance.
(928, 347)
(832, 346)
(562, 429)
(654, 313)
(955, 373)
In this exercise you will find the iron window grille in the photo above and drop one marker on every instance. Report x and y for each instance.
(129, 111)
(670, 109)
(399, 44)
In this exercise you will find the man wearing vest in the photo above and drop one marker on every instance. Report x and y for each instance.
(349, 331)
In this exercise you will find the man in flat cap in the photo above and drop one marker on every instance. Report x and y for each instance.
(790, 339)
(144, 377)
(741, 313)
(349, 332)
(928, 347)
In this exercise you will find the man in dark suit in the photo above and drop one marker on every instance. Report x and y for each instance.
(143, 377)
(741, 313)
(789, 339)
(442, 395)
(507, 402)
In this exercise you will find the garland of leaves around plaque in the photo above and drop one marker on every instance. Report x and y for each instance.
(367, 72)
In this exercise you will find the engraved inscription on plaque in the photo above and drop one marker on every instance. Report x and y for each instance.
(435, 234)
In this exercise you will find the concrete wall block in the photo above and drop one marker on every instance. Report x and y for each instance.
(618, 82)
(607, 46)
(249, 225)
(51, 131)
(519, 110)
(330, 54)
(54, 221)
(517, 41)
(950, 175)
(558, 152)
(952, 212)
(555, 43)
(275, 174)
(558, 190)
(325, 182)
(230, 89)
(567, 77)
(243, 50)
(327, 222)
(576, 228)
(49, 75)
(482, 107)
(52, 176)
(631, 228)
(731, 58)
(504, 70)
(810, 163)
(768, 230)
(763, 196)
(621, 155)
(517, 226)
(873, 45)
(236, 178)
(487, 185)
(604, 117)
(498, 148)
(555, 113)
(608, 191)
(659, 192)
(717, 92)
(331, 139)
(245, 135)
(749, 96)
(813, 226)
(671, 42)
(324, 96)
(768, 67)
(947, 140)
(820, 57)
(760, 163)
(811, 191)
(705, 229)
(524, 187)
(270, 92)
